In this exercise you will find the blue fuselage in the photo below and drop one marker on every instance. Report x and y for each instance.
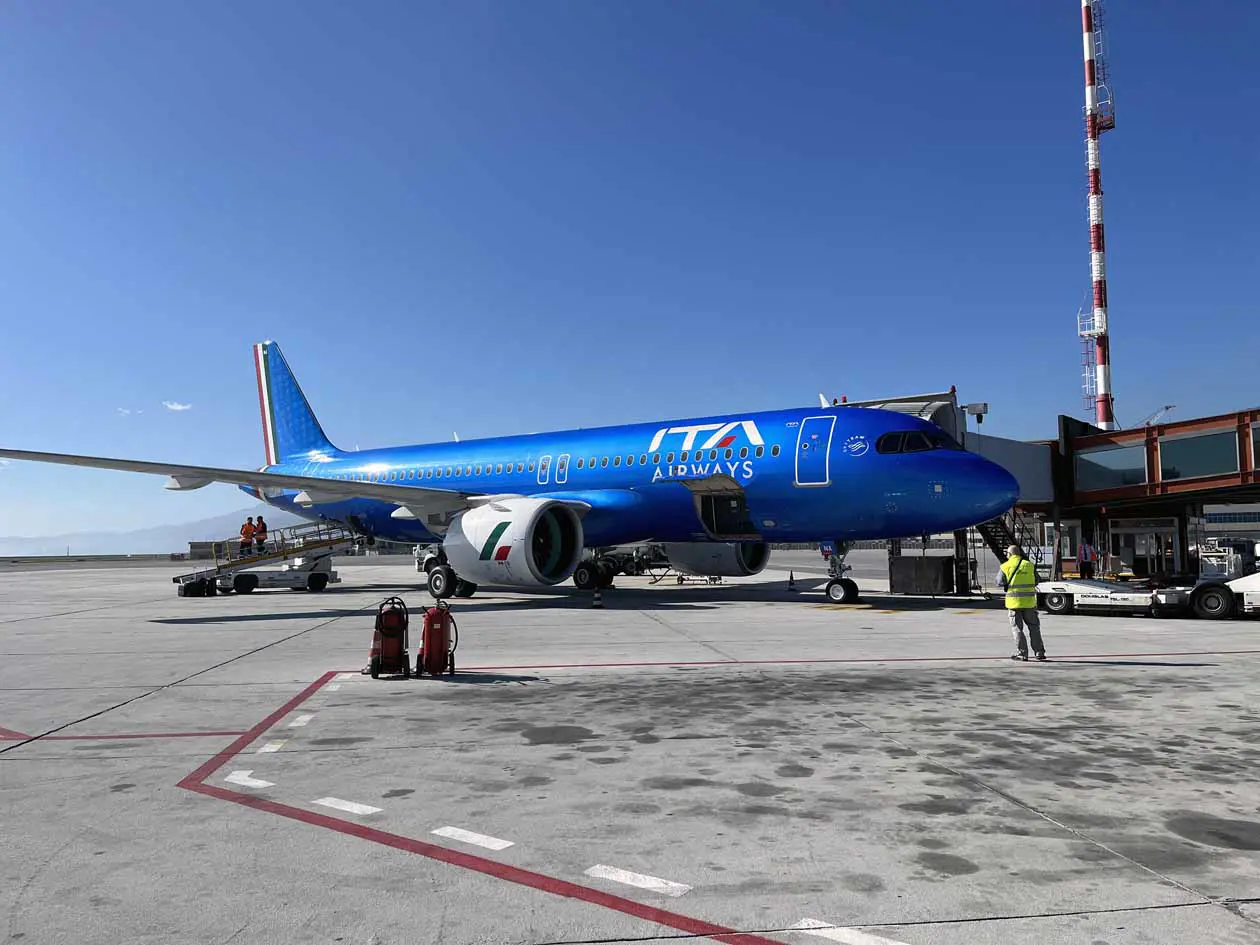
(805, 475)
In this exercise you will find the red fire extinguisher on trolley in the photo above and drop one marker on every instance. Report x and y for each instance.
(438, 642)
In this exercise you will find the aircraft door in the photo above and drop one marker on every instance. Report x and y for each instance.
(813, 451)
(544, 470)
(562, 469)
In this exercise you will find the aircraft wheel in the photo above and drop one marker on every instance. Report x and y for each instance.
(464, 588)
(1214, 602)
(317, 582)
(244, 583)
(1057, 603)
(374, 667)
(585, 576)
(606, 575)
(442, 581)
(841, 591)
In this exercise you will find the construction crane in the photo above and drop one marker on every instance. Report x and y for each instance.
(1150, 419)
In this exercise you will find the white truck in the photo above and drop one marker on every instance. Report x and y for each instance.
(1211, 599)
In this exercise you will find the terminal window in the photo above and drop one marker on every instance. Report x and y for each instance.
(1110, 467)
(1212, 454)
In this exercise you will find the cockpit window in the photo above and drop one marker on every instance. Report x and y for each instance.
(915, 441)
(889, 443)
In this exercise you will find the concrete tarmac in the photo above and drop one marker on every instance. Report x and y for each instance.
(737, 762)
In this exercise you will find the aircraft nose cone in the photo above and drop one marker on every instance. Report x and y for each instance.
(995, 490)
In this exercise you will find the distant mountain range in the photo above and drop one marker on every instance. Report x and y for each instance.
(161, 539)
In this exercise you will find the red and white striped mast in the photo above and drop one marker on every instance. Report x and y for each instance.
(1099, 117)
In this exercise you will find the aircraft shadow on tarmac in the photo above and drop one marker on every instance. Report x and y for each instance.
(228, 617)
(639, 596)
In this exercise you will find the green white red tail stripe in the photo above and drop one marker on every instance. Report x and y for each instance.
(264, 404)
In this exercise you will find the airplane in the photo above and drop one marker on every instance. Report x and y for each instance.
(524, 511)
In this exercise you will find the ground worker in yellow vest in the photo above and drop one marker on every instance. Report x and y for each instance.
(1019, 580)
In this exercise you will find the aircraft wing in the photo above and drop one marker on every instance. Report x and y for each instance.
(313, 490)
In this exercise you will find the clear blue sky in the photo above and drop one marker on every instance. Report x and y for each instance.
(508, 217)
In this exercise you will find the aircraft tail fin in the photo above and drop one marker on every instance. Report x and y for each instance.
(290, 430)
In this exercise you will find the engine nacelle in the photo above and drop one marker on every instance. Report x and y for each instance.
(521, 542)
(723, 559)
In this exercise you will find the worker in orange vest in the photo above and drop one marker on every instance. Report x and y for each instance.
(247, 537)
(260, 536)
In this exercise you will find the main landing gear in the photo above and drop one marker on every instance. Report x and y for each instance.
(445, 583)
(840, 589)
(592, 573)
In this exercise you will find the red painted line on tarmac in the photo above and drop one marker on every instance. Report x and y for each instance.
(457, 858)
(192, 781)
(105, 738)
(7, 734)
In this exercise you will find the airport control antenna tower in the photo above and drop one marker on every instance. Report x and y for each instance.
(1100, 116)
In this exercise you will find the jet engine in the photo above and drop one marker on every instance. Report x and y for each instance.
(724, 559)
(521, 542)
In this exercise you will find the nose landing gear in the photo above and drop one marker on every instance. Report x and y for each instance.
(840, 589)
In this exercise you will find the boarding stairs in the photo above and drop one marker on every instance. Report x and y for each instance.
(297, 549)
(1013, 528)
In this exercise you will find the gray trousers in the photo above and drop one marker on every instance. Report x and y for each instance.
(1026, 616)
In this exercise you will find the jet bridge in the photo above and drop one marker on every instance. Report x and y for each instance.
(303, 554)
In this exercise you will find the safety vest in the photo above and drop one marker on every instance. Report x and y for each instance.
(1021, 583)
(260, 531)
(247, 531)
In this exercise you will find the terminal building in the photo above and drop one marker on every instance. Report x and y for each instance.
(1154, 501)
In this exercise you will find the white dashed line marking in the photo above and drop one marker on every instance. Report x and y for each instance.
(334, 687)
(650, 883)
(467, 836)
(350, 807)
(270, 747)
(301, 720)
(244, 780)
(837, 934)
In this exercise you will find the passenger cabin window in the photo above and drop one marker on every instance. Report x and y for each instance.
(743, 452)
(498, 469)
(682, 457)
(531, 467)
(603, 461)
(581, 463)
(670, 457)
(774, 450)
(761, 451)
(643, 459)
(630, 460)
(656, 459)
(616, 460)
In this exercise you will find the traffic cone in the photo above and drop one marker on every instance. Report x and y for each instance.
(791, 580)
(598, 600)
